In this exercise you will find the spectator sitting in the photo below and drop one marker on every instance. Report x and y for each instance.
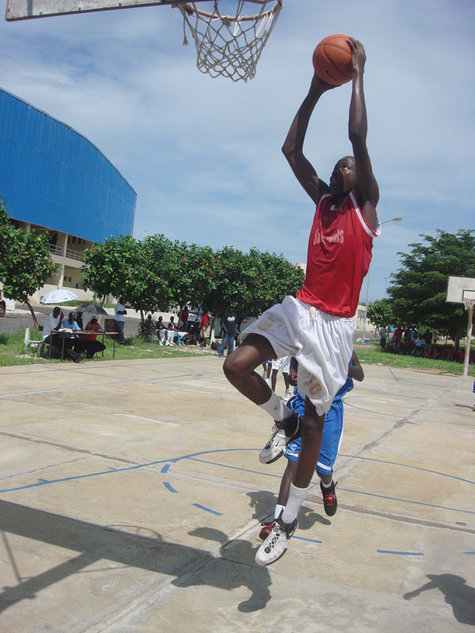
(79, 320)
(50, 330)
(171, 331)
(92, 345)
(183, 318)
(419, 347)
(69, 339)
(161, 331)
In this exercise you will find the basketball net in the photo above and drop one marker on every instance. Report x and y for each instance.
(230, 45)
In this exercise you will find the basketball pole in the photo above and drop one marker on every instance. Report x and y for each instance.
(469, 339)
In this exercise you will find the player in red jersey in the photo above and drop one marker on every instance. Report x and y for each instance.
(317, 326)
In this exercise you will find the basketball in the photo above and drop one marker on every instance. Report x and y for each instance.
(332, 60)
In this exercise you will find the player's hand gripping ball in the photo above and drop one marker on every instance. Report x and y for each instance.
(332, 60)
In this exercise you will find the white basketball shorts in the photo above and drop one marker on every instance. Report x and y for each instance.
(321, 343)
(282, 364)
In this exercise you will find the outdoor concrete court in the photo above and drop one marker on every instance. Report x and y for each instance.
(131, 496)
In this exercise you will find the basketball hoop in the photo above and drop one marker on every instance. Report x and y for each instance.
(468, 303)
(230, 45)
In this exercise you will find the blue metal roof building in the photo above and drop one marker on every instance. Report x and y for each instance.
(53, 177)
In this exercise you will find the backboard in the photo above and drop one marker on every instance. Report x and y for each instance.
(461, 290)
(27, 9)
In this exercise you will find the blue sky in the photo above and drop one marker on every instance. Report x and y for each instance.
(204, 154)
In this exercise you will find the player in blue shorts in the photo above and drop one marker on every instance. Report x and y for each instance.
(332, 432)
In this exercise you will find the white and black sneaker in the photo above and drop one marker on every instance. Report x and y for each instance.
(276, 544)
(283, 432)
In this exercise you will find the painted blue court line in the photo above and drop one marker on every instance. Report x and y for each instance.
(165, 468)
(169, 487)
(469, 553)
(198, 505)
(427, 470)
(230, 467)
(309, 540)
(195, 456)
(110, 471)
(368, 459)
(393, 374)
(417, 503)
(388, 551)
(358, 492)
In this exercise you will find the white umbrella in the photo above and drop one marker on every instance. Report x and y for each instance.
(58, 296)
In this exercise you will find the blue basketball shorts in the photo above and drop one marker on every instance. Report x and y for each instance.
(331, 440)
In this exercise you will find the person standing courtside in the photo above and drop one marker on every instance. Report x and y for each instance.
(229, 324)
(120, 313)
(317, 326)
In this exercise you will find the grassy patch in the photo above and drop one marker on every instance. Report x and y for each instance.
(372, 355)
(12, 351)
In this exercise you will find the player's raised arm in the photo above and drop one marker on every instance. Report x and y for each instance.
(293, 144)
(368, 191)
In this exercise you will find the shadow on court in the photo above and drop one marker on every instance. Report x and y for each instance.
(93, 543)
(263, 503)
(458, 594)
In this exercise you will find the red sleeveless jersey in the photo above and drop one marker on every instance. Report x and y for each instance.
(339, 255)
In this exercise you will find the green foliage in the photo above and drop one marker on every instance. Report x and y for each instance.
(108, 267)
(147, 329)
(252, 282)
(157, 272)
(25, 264)
(419, 287)
(192, 273)
(381, 313)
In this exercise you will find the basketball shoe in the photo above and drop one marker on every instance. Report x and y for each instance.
(283, 432)
(330, 502)
(276, 544)
(266, 529)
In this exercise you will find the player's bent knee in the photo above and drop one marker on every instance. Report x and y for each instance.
(234, 368)
(229, 368)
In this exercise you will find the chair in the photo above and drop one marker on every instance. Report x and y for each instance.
(35, 344)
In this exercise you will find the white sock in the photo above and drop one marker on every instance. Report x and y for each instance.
(278, 509)
(296, 497)
(276, 408)
(327, 485)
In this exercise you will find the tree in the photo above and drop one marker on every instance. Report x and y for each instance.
(193, 273)
(251, 282)
(157, 272)
(381, 313)
(419, 287)
(149, 285)
(150, 274)
(25, 264)
(108, 267)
